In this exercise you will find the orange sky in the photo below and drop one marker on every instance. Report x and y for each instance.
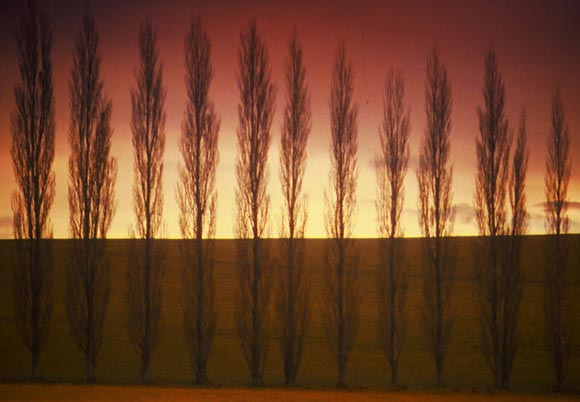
(537, 42)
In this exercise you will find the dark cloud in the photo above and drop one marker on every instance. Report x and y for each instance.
(464, 213)
(571, 205)
(373, 161)
(413, 162)
(5, 222)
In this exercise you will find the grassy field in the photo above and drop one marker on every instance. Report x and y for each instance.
(465, 367)
(74, 393)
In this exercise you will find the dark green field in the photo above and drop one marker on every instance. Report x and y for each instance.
(465, 368)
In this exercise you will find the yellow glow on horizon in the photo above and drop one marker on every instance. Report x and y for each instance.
(315, 183)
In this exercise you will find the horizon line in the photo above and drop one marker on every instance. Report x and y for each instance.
(285, 238)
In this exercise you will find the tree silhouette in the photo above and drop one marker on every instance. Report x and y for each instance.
(92, 174)
(341, 318)
(145, 270)
(294, 285)
(491, 190)
(557, 286)
(254, 271)
(391, 168)
(436, 214)
(32, 151)
(512, 276)
(197, 199)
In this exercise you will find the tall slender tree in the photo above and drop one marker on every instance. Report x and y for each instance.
(32, 151)
(145, 270)
(92, 175)
(341, 319)
(391, 168)
(294, 285)
(254, 269)
(512, 275)
(197, 199)
(557, 285)
(436, 214)
(491, 191)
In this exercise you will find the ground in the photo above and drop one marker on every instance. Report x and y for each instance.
(97, 393)
(465, 368)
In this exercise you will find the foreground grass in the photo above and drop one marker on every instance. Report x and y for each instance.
(367, 368)
(117, 393)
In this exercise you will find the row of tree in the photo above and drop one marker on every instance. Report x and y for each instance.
(92, 173)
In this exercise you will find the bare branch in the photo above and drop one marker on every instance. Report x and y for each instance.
(512, 275)
(436, 214)
(145, 269)
(492, 271)
(197, 199)
(33, 130)
(294, 285)
(92, 175)
(341, 318)
(391, 168)
(557, 285)
(254, 270)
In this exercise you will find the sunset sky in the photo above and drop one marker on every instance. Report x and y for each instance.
(537, 43)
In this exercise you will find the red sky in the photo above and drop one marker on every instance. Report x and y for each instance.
(537, 42)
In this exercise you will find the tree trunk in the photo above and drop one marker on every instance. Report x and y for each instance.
(289, 363)
(341, 330)
(90, 355)
(90, 366)
(146, 352)
(35, 376)
(201, 375)
(439, 371)
(392, 313)
(145, 369)
(34, 249)
(256, 335)
(439, 324)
